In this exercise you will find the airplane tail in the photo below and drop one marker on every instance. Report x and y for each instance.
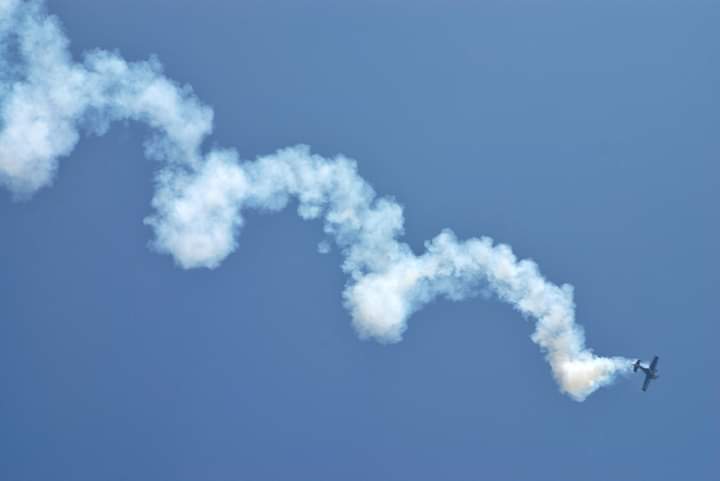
(636, 365)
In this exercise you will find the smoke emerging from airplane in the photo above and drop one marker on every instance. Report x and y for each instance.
(47, 100)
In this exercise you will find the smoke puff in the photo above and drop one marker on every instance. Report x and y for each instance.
(47, 100)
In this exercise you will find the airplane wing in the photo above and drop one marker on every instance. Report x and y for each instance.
(653, 365)
(646, 383)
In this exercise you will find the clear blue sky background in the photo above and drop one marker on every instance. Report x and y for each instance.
(585, 134)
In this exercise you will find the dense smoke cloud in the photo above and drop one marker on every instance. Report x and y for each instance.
(47, 100)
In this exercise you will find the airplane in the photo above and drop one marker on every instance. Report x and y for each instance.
(650, 372)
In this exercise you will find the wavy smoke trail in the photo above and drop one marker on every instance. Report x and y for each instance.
(46, 99)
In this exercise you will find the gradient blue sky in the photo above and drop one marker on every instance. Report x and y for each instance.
(582, 133)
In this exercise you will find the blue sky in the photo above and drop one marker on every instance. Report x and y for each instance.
(581, 134)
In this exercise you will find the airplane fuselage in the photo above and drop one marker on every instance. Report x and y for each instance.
(652, 374)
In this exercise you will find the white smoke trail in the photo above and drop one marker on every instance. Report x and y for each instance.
(47, 99)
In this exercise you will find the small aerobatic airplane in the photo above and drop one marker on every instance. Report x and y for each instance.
(650, 372)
